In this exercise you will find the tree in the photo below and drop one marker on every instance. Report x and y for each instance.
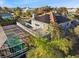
(41, 52)
(57, 47)
(76, 30)
(62, 11)
(38, 11)
(71, 17)
(28, 13)
(62, 44)
(60, 38)
(1, 9)
(17, 12)
(77, 14)
(47, 9)
(5, 9)
(77, 11)
(42, 49)
(69, 56)
(17, 9)
(55, 30)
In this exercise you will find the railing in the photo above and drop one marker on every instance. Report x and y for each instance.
(26, 29)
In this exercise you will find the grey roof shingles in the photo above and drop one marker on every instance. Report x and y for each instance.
(46, 18)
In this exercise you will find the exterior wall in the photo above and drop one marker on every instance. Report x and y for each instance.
(42, 25)
(38, 24)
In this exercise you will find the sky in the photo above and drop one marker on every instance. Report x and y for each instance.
(39, 3)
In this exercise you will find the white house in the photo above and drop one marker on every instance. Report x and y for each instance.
(40, 22)
(72, 10)
(26, 9)
(43, 21)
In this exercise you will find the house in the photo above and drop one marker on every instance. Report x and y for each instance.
(60, 19)
(72, 10)
(26, 9)
(69, 24)
(6, 16)
(6, 19)
(39, 24)
(43, 21)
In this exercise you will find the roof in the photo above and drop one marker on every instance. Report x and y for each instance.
(45, 18)
(1, 19)
(5, 14)
(60, 18)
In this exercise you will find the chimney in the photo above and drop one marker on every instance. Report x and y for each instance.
(52, 17)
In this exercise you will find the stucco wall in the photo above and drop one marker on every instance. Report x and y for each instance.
(38, 24)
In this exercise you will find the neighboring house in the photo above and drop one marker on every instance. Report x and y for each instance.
(60, 19)
(7, 19)
(26, 9)
(69, 24)
(72, 10)
(6, 16)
